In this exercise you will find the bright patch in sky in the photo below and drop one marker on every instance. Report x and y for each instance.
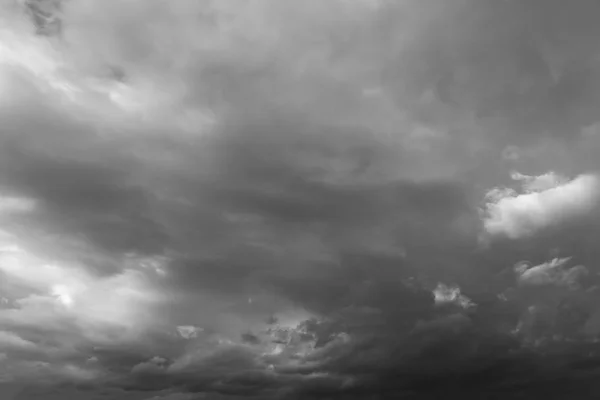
(63, 295)
(546, 202)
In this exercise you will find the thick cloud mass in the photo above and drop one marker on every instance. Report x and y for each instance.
(319, 199)
(545, 203)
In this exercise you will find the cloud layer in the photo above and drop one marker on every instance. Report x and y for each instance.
(298, 200)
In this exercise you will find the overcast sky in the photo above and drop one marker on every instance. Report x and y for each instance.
(305, 200)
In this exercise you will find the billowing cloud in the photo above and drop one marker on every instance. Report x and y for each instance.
(545, 203)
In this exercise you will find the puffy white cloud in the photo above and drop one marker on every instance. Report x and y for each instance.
(547, 201)
(444, 295)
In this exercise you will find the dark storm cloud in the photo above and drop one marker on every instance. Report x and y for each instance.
(348, 149)
(84, 198)
(525, 67)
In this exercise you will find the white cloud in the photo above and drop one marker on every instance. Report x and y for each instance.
(188, 331)
(48, 294)
(547, 200)
(532, 184)
(553, 272)
(445, 295)
(73, 309)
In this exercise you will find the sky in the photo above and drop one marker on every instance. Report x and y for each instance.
(304, 200)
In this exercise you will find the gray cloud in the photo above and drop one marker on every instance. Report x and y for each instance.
(290, 184)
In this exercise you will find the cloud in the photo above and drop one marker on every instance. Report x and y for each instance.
(12, 341)
(56, 291)
(546, 203)
(55, 314)
(444, 295)
(280, 199)
(550, 273)
(550, 294)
